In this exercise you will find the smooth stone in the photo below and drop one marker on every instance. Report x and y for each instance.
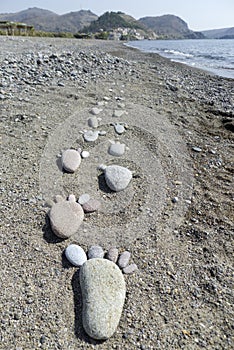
(117, 177)
(84, 198)
(119, 129)
(103, 294)
(102, 133)
(75, 255)
(116, 149)
(93, 122)
(106, 98)
(71, 160)
(85, 154)
(124, 259)
(91, 135)
(95, 111)
(66, 218)
(130, 269)
(95, 252)
(112, 254)
(118, 113)
(91, 205)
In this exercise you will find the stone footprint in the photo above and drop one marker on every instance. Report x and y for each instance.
(102, 286)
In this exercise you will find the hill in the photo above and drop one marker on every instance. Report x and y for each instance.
(120, 23)
(170, 27)
(223, 33)
(49, 21)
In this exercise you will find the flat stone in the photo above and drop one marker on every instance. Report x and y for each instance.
(91, 135)
(118, 113)
(91, 205)
(71, 160)
(196, 149)
(95, 252)
(119, 129)
(84, 198)
(116, 149)
(130, 269)
(124, 259)
(112, 254)
(95, 111)
(103, 294)
(75, 255)
(66, 218)
(117, 177)
(93, 122)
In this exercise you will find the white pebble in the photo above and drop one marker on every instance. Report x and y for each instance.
(85, 154)
(75, 255)
(84, 198)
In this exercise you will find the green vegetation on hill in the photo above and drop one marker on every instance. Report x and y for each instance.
(109, 21)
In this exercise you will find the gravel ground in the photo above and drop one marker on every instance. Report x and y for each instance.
(176, 217)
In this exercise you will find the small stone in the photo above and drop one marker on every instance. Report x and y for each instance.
(130, 269)
(84, 198)
(91, 206)
(196, 149)
(95, 252)
(175, 200)
(66, 218)
(93, 122)
(102, 133)
(90, 135)
(85, 154)
(119, 129)
(116, 149)
(95, 111)
(117, 177)
(71, 160)
(112, 254)
(75, 255)
(118, 113)
(103, 294)
(124, 259)
(106, 98)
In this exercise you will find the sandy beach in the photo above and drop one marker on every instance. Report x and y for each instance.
(176, 217)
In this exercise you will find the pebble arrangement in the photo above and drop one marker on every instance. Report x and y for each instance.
(101, 279)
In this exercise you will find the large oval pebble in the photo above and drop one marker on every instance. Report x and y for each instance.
(66, 218)
(103, 294)
(117, 177)
(71, 160)
(116, 149)
(75, 255)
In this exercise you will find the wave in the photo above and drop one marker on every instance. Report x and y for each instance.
(212, 57)
(177, 53)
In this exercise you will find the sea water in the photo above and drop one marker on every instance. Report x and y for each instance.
(214, 55)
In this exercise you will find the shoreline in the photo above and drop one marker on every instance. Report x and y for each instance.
(215, 71)
(175, 218)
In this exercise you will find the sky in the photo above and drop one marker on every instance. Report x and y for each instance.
(199, 14)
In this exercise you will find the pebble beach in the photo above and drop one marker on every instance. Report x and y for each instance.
(172, 127)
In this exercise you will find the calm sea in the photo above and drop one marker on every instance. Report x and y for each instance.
(216, 56)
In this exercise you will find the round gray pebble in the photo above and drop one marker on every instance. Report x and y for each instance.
(95, 252)
(116, 149)
(117, 177)
(91, 135)
(71, 160)
(93, 122)
(75, 255)
(119, 129)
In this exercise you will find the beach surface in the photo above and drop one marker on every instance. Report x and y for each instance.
(175, 217)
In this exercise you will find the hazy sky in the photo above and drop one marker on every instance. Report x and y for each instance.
(199, 14)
